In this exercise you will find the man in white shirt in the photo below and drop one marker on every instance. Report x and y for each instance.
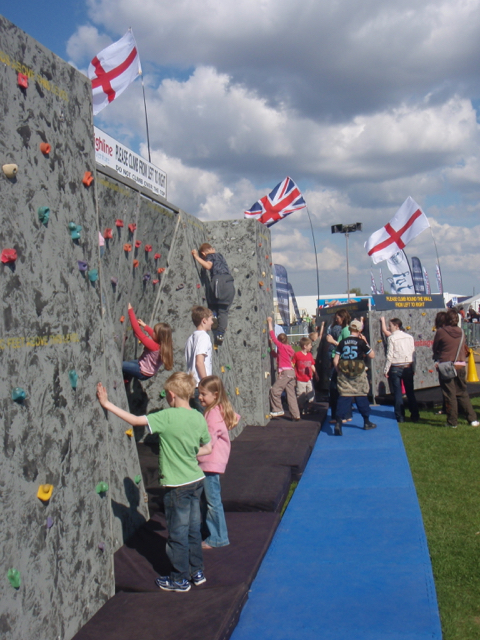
(399, 367)
(198, 350)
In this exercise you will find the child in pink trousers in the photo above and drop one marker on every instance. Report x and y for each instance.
(220, 418)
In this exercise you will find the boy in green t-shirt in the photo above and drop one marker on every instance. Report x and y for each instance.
(183, 436)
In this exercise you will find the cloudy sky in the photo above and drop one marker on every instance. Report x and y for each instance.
(362, 104)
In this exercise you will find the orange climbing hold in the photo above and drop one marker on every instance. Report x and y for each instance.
(161, 270)
(107, 234)
(131, 227)
(260, 282)
(44, 492)
(87, 178)
(118, 222)
(45, 148)
(8, 255)
(135, 264)
(127, 246)
(122, 318)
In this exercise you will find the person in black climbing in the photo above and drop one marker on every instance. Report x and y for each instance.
(223, 286)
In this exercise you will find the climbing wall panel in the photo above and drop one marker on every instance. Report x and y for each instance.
(52, 351)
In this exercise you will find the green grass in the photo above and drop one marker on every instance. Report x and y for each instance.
(445, 468)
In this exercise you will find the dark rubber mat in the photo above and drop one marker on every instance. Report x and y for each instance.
(199, 614)
(143, 557)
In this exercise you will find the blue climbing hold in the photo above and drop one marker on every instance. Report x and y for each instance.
(43, 214)
(75, 230)
(18, 395)
(73, 378)
(93, 275)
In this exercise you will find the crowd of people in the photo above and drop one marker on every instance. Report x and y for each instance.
(194, 430)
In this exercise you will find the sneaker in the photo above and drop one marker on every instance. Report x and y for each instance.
(219, 339)
(475, 423)
(452, 426)
(198, 578)
(338, 428)
(277, 414)
(167, 584)
(369, 425)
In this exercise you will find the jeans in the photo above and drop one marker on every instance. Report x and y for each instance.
(131, 369)
(195, 402)
(184, 544)
(212, 511)
(223, 289)
(395, 377)
(344, 407)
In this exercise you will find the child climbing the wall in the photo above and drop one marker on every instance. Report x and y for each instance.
(304, 370)
(198, 350)
(220, 417)
(223, 287)
(285, 377)
(183, 435)
(158, 349)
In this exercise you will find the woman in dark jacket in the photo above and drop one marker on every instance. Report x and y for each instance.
(445, 347)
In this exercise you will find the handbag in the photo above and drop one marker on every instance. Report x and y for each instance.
(447, 370)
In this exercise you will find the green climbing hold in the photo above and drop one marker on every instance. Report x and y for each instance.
(93, 275)
(102, 487)
(269, 350)
(264, 355)
(18, 395)
(163, 393)
(138, 479)
(73, 378)
(13, 576)
(228, 367)
(43, 214)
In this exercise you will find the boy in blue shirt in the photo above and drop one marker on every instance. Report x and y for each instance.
(183, 436)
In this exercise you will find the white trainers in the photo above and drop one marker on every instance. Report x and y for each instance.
(475, 423)
(277, 414)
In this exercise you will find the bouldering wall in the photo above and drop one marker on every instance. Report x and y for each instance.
(52, 352)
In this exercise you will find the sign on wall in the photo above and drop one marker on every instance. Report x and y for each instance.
(128, 164)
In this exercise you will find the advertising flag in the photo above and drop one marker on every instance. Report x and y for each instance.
(438, 273)
(417, 273)
(428, 288)
(281, 202)
(401, 281)
(382, 288)
(282, 289)
(373, 286)
(113, 70)
(406, 224)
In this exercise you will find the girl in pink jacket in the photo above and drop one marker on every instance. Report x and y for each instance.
(220, 418)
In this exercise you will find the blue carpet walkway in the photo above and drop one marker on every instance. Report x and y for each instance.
(350, 558)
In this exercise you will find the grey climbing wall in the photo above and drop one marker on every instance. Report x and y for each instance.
(51, 324)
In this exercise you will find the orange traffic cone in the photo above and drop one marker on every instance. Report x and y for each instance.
(472, 375)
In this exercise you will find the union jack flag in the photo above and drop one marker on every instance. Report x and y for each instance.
(283, 200)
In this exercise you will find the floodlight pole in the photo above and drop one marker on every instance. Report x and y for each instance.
(347, 229)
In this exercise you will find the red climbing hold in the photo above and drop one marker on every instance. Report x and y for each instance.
(157, 256)
(9, 255)
(118, 222)
(148, 248)
(127, 247)
(22, 80)
(135, 263)
(198, 286)
(266, 257)
(45, 148)
(87, 178)
(161, 270)
(107, 234)
(138, 244)
(131, 227)
(155, 281)
(122, 318)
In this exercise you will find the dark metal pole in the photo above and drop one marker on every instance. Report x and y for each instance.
(146, 119)
(316, 257)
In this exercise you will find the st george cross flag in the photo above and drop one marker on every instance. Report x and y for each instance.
(283, 200)
(112, 70)
(406, 224)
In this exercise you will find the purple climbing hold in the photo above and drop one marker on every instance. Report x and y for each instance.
(146, 277)
(82, 265)
(49, 523)
(114, 280)
(101, 546)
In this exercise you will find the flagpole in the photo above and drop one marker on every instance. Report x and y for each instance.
(438, 258)
(146, 119)
(316, 257)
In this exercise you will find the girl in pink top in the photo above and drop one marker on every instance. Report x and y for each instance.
(220, 418)
(158, 349)
(286, 380)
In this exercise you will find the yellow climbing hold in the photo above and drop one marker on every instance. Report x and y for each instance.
(222, 369)
(237, 391)
(44, 492)
(129, 433)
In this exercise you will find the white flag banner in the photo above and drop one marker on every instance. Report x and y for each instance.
(112, 70)
(406, 224)
(401, 281)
